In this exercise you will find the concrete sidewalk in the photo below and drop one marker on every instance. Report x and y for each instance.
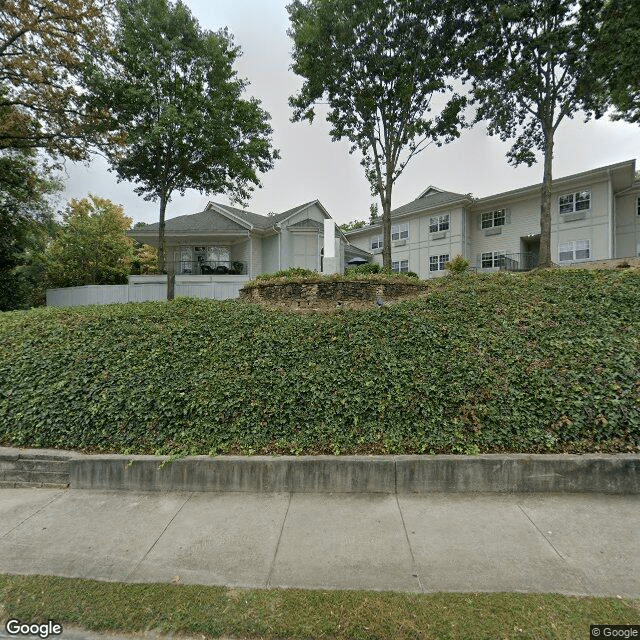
(585, 544)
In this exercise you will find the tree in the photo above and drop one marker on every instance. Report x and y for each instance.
(91, 246)
(613, 57)
(354, 224)
(378, 65)
(26, 186)
(25, 218)
(176, 99)
(43, 44)
(527, 61)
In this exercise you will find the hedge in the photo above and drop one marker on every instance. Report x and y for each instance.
(541, 362)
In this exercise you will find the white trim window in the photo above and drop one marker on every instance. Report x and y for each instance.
(574, 202)
(436, 263)
(399, 231)
(439, 223)
(574, 250)
(376, 242)
(491, 259)
(400, 266)
(495, 218)
(638, 205)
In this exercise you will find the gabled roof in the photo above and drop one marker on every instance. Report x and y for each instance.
(306, 223)
(202, 221)
(222, 217)
(430, 190)
(431, 197)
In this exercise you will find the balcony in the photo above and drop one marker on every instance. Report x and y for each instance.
(518, 261)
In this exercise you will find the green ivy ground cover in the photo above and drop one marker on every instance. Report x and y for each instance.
(540, 362)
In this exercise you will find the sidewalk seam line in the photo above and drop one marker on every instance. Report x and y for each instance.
(273, 562)
(148, 551)
(414, 566)
(578, 574)
(44, 506)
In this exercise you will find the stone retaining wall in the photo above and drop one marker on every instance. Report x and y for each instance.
(310, 294)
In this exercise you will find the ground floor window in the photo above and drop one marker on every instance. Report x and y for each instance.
(492, 259)
(400, 266)
(574, 250)
(436, 263)
(638, 205)
(202, 260)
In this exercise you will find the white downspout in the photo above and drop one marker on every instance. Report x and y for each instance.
(278, 229)
(612, 219)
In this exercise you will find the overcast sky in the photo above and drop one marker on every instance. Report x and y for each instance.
(312, 167)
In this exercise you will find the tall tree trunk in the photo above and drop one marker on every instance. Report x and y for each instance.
(544, 259)
(161, 256)
(165, 265)
(386, 224)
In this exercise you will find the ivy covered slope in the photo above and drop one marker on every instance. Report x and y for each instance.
(540, 362)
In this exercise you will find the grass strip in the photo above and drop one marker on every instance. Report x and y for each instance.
(296, 613)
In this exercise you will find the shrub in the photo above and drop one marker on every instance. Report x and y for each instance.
(291, 273)
(539, 362)
(364, 269)
(458, 265)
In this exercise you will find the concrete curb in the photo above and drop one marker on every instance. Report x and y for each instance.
(503, 473)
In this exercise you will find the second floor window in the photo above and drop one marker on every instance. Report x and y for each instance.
(494, 218)
(573, 202)
(439, 223)
(399, 231)
(376, 242)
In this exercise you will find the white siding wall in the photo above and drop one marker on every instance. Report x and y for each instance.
(256, 256)
(595, 226)
(525, 221)
(240, 253)
(421, 243)
(270, 254)
(627, 225)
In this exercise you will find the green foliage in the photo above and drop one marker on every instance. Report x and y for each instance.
(613, 57)
(287, 274)
(26, 223)
(175, 99)
(43, 45)
(354, 224)
(411, 274)
(189, 610)
(377, 64)
(145, 259)
(91, 246)
(369, 267)
(458, 265)
(539, 362)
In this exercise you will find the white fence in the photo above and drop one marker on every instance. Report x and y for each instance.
(141, 288)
